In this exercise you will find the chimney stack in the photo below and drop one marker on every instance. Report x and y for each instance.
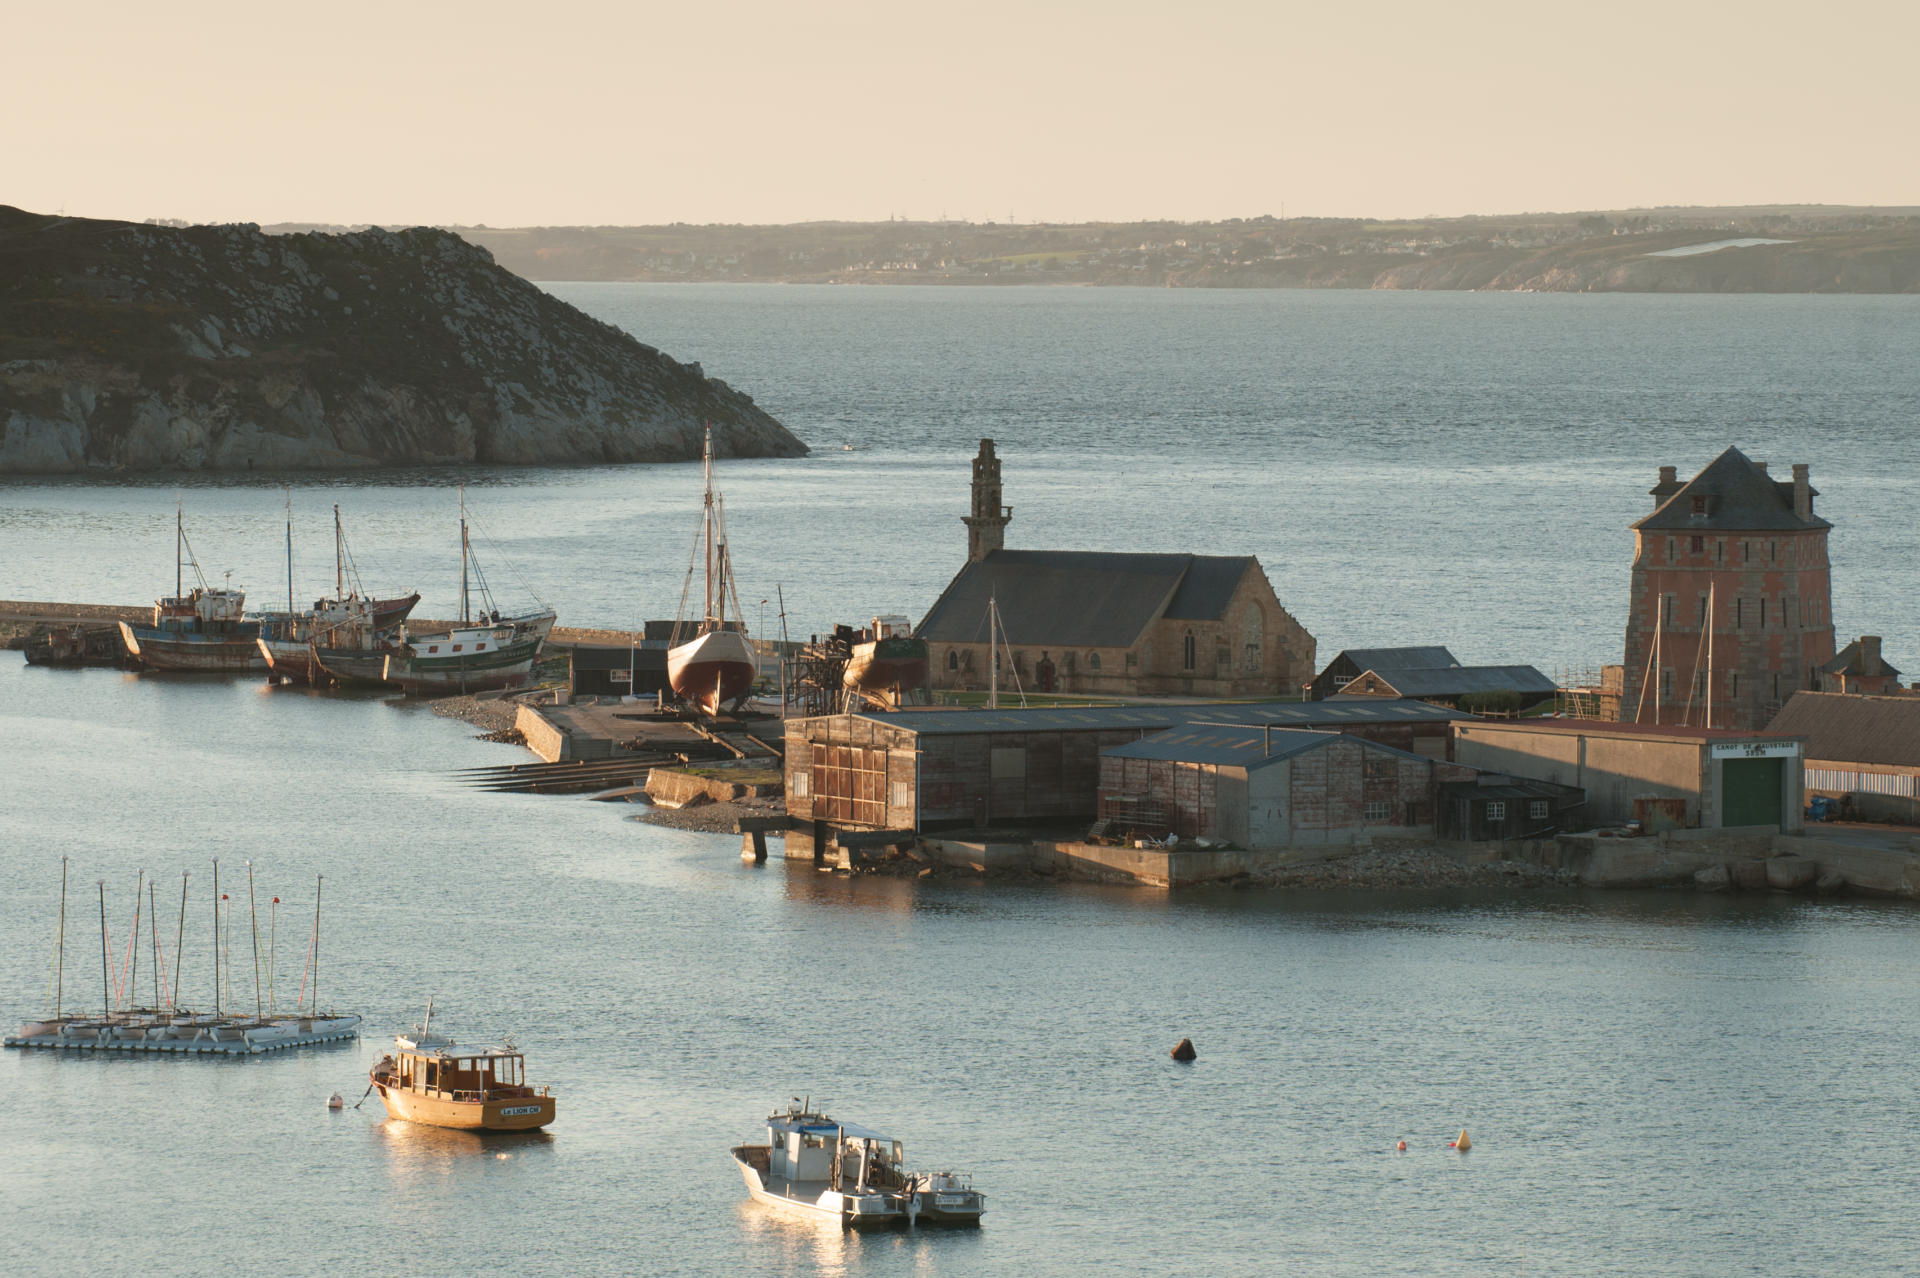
(1669, 475)
(1762, 465)
(1669, 480)
(1802, 492)
(1870, 655)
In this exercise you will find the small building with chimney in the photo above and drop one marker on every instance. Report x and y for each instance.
(1728, 612)
(1859, 668)
(1107, 623)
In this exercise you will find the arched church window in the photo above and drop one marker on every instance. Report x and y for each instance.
(1189, 652)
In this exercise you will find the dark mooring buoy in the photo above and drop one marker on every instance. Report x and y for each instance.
(1183, 1050)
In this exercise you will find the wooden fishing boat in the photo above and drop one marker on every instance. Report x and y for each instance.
(887, 658)
(710, 662)
(429, 1079)
(346, 621)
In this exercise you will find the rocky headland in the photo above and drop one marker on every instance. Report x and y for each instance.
(136, 347)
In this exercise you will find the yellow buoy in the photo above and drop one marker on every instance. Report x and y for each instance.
(1463, 1144)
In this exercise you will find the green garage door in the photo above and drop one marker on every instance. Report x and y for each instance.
(1751, 789)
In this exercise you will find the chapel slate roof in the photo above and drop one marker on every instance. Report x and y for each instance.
(1080, 599)
(1740, 497)
(1848, 728)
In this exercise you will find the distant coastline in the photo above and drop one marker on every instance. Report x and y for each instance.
(1767, 249)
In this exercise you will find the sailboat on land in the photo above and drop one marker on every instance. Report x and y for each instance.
(484, 652)
(348, 622)
(205, 630)
(710, 662)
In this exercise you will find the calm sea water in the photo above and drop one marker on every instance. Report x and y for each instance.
(1655, 1084)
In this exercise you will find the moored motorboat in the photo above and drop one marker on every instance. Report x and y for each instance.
(429, 1079)
(815, 1167)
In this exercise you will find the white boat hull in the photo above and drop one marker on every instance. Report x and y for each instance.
(713, 669)
(810, 1200)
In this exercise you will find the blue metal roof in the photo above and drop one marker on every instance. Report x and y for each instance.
(1237, 747)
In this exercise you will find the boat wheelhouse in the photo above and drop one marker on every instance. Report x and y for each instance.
(432, 1080)
(815, 1167)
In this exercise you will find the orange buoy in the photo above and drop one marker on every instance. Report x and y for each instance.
(1463, 1144)
(1402, 1147)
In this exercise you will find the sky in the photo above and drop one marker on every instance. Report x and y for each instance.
(570, 112)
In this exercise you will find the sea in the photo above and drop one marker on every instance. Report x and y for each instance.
(1653, 1083)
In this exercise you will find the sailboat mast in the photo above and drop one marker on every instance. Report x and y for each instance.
(706, 472)
(179, 940)
(133, 942)
(289, 561)
(179, 544)
(339, 557)
(993, 653)
(216, 936)
(316, 942)
(60, 942)
(153, 934)
(105, 997)
(253, 916)
(465, 552)
(1710, 592)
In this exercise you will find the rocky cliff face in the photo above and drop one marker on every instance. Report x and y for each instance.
(220, 348)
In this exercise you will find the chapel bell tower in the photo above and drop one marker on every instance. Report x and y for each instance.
(987, 525)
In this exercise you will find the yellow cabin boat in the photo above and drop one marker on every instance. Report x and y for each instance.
(428, 1079)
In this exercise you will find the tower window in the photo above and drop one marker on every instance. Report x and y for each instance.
(1700, 611)
(1695, 545)
(1733, 684)
(1737, 601)
(1763, 612)
(1699, 505)
(1669, 550)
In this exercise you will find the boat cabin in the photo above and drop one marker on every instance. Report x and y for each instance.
(432, 1066)
(803, 1147)
(204, 608)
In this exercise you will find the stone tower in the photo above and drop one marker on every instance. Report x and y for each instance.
(987, 525)
(1730, 597)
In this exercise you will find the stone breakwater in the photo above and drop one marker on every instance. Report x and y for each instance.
(135, 348)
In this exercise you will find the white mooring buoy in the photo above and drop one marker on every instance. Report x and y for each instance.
(336, 1101)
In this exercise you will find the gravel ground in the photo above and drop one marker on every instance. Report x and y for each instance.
(493, 715)
(714, 818)
(1414, 868)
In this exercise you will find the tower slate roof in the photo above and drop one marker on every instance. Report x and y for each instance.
(1081, 599)
(1739, 497)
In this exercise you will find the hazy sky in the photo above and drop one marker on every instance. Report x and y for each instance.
(752, 111)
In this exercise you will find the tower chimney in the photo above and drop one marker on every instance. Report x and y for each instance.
(1870, 655)
(1802, 492)
(987, 525)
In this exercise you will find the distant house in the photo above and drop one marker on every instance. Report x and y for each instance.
(1450, 685)
(1859, 667)
(1862, 750)
(1354, 662)
(1261, 787)
(1108, 623)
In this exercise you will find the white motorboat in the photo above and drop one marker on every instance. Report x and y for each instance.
(820, 1168)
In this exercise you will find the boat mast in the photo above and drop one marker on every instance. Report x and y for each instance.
(466, 550)
(318, 880)
(179, 937)
(339, 556)
(179, 543)
(60, 943)
(105, 997)
(216, 936)
(133, 942)
(706, 526)
(153, 934)
(993, 653)
(253, 916)
(273, 923)
(289, 561)
(1710, 586)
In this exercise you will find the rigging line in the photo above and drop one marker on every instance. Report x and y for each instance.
(693, 562)
(512, 568)
(193, 559)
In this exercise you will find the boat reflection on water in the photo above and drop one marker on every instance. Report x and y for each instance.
(778, 1243)
(412, 1147)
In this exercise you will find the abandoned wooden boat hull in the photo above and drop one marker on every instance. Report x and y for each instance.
(235, 653)
(289, 660)
(368, 666)
(887, 664)
(471, 659)
(712, 670)
(814, 1201)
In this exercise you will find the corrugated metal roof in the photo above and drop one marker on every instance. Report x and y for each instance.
(1235, 747)
(1848, 728)
(1333, 713)
(1080, 599)
(1453, 681)
(1740, 497)
(1606, 728)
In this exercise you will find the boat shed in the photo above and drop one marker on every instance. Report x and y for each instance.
(1262, 787)
(1661, 775)
(933, 769)
(1453, 684)
(1354, 662)
(1493, 807)
(1862, 751)
(604, 670)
